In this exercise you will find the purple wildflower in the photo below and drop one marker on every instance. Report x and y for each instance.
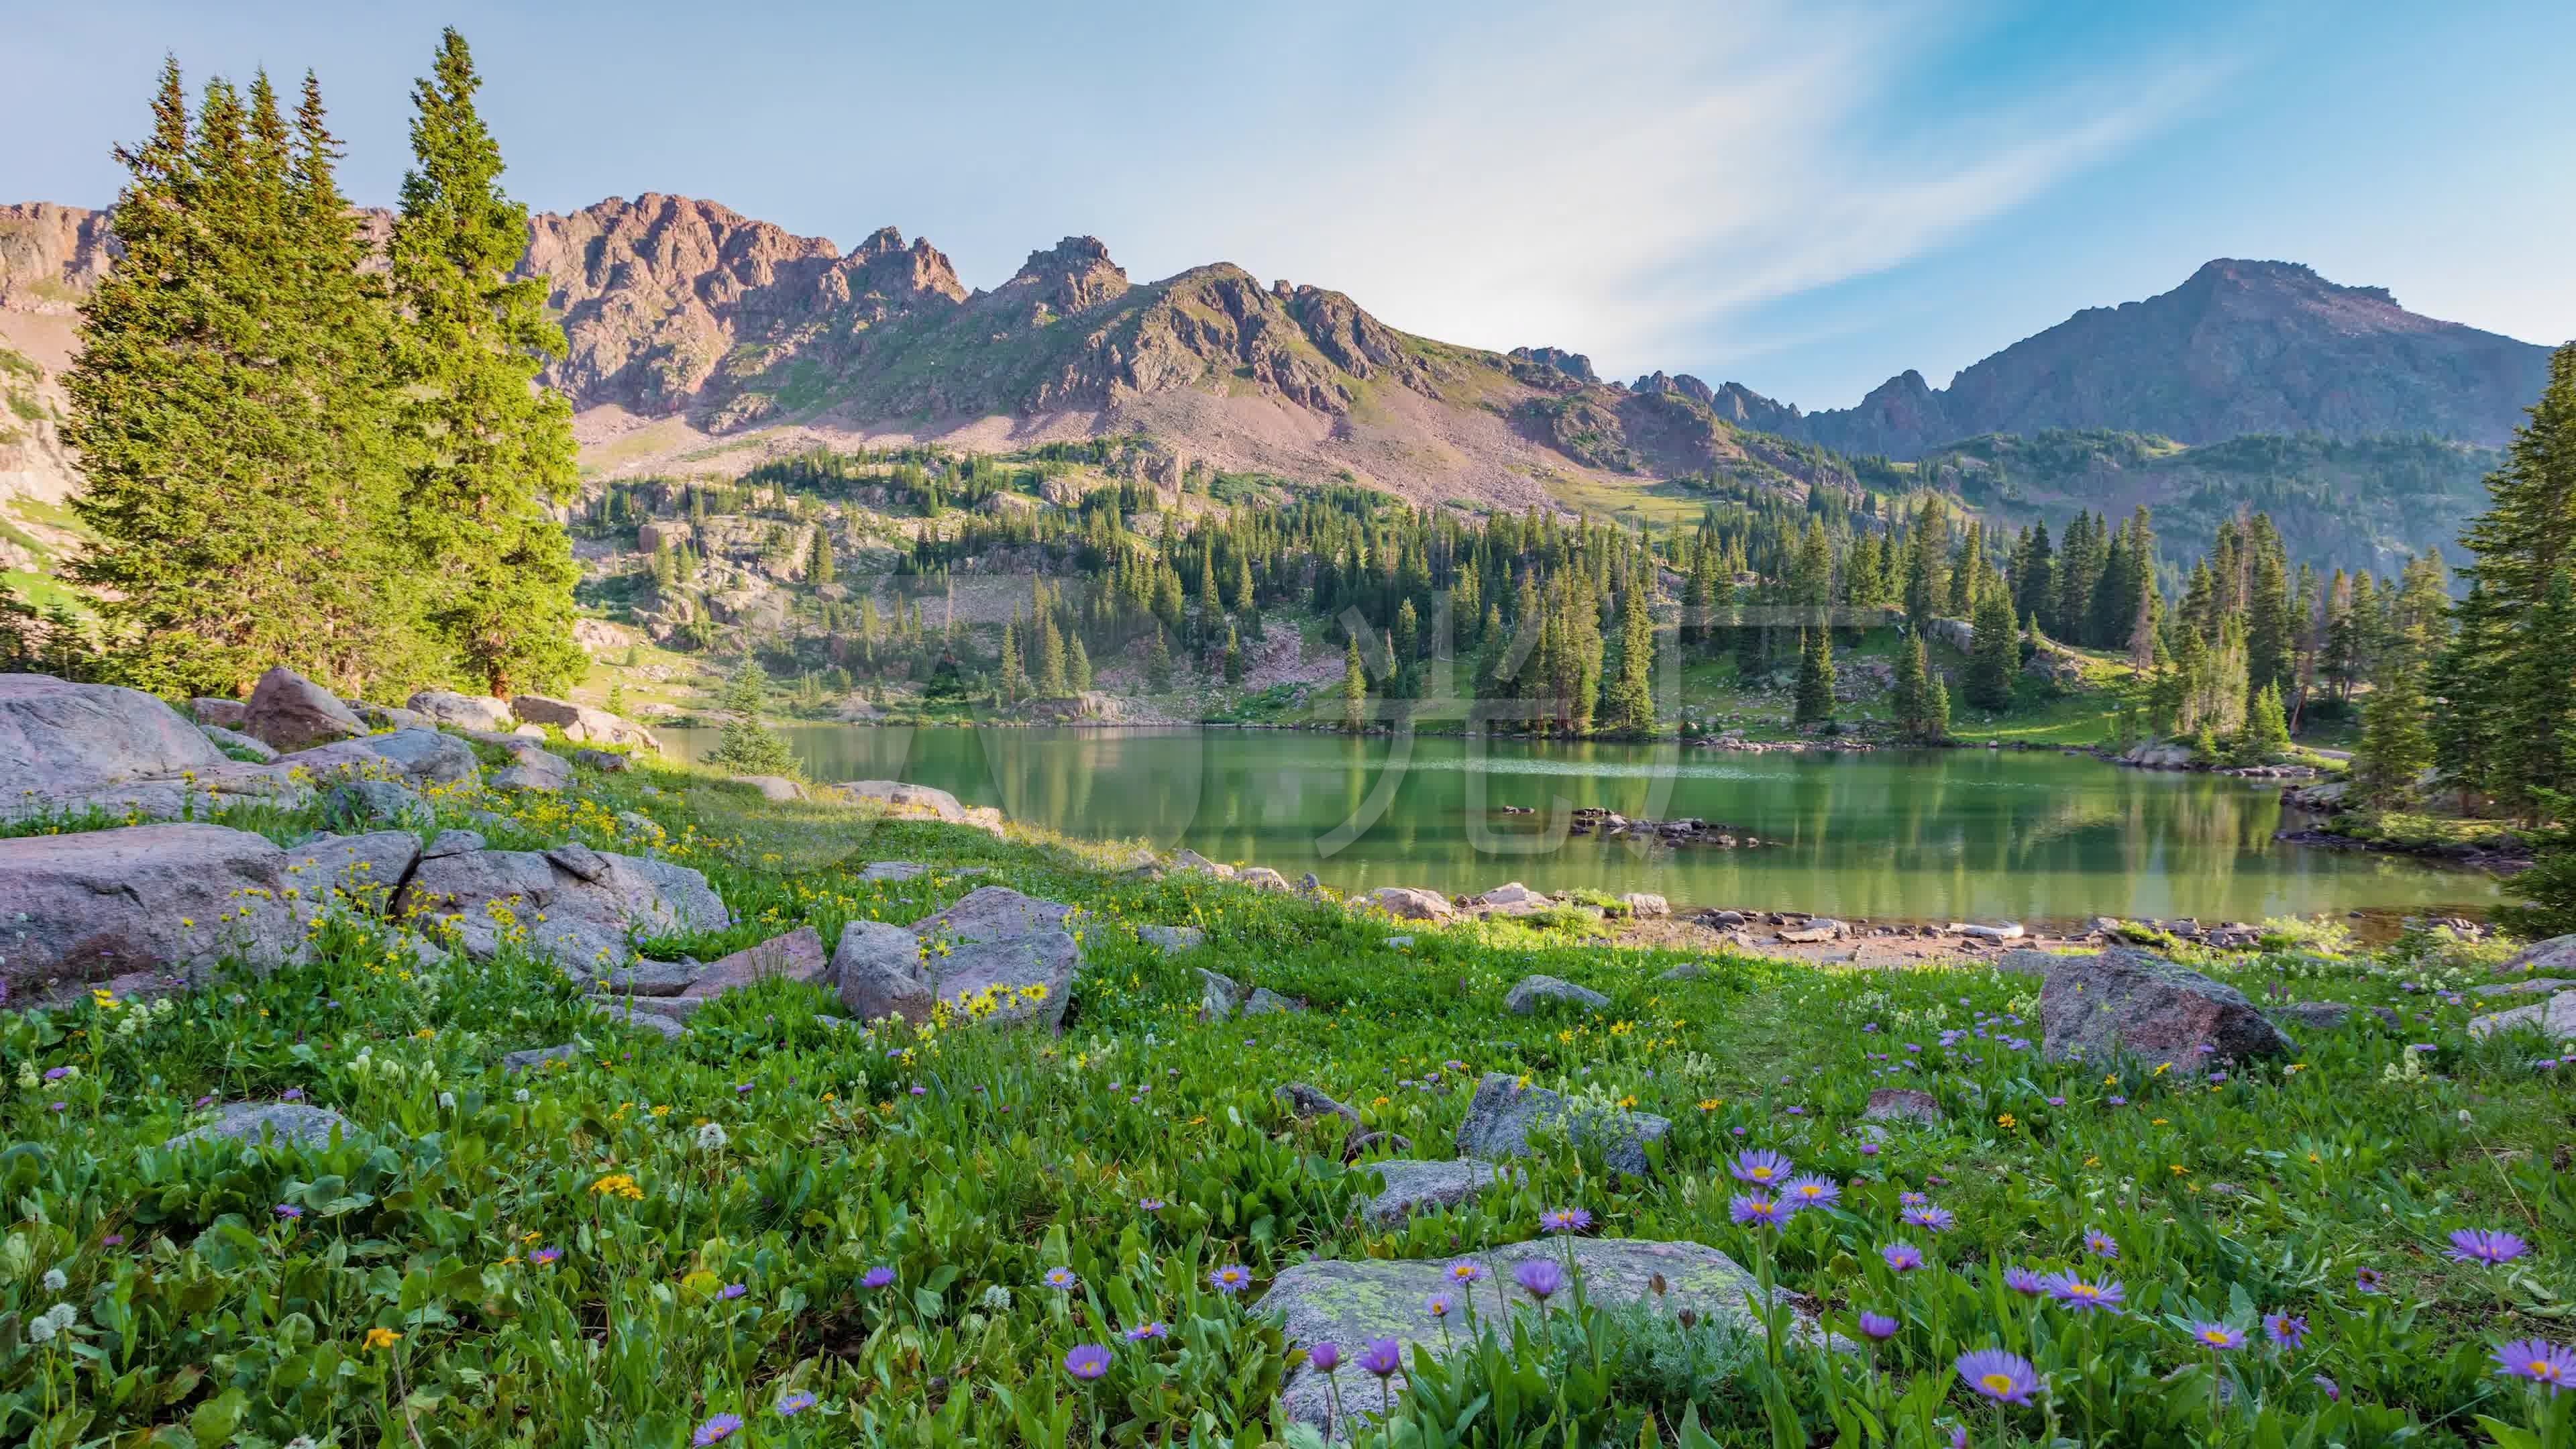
(2083, 1297)
(1230, 1279)
(1877, 1327)
(2367, 1280)
(288, 1211)
(2217, 1336)
(1809, 1190)
(1086, 1361)
(1325, 1357)
(2333, 1390)
(878, 1277)
(543, 1256)
(2541, 1362)
(2006, 1378)
(1538, 1277)
(2101, 1244)
(56, 1074)
(1149, 1204)
(2025, 1282)
(1144, 1332)
(730, 1292)
(791, 1405)
(2287, 1331)
(716, 1430)
(1761, 1165)
(1903, 1257)
(2486, 1245)
(1930, 1219)
(1564, 1220)
(1440, 1305)
(1382, 1357)
(1466, 1270)
(1753, 1210)
(1061, 1277)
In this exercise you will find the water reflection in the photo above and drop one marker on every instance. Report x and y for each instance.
(1891, 835)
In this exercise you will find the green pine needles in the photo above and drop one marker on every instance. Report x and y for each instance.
(298, 456)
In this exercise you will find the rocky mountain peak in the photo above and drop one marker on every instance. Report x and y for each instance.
(50, 255)
(1573, 364)
(1072, 276)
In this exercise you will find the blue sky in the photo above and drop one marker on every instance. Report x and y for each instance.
(1805, 197)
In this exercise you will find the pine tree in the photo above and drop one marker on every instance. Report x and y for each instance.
(1051, 683)
(1354, 688)
(2266, 737)
(1233, 657)
(2396, 744)
(494, 450)
(2539, 704)
(1080, 669)
(1013, 682)
(229, 406)
(1917, 718)
(1632, 695)
(1995, 653)
(1815, 700)
(819, 571)
(1927, 562)
(1158, 663)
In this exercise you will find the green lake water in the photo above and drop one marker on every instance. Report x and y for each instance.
(1894, 835)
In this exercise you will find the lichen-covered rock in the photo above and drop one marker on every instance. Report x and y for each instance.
(1192, 861)
(652, 978)
(775, 788)
(2554, 1018)
(993, 913)
(2325, 1015)
(57, 738)
(1645, 905)
(1414, 1186)
(1309, 1103)
(892, 871)
(1532, 994)
(1263, 1002)
(1407, 903)
(1219, 995)
(414, 757)
(2129, 1002)
(356, 804)
(465, 711)
(293, 713)
(230, 714)
(181, 898)
(582, 724)
(902, 799)
(634, 1012)
(452, 842)
(535, 771)
(293, 1124)
(795, 956)
(1355, 1302)
(2553, 957)
(1262, 877)
(535, 1057)
(1025, 979)
(235, 743)
(1503, 1116)
(492, 896)
(607, 762)
(1904, 1104)
(879, 972)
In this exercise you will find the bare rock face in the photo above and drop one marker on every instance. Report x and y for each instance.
(2129, 1002)
(2554, 1017)
(1503, 1114)
(466, 711)
(493, 896)
(992, 913)
(1645, 905)
(410, 756)
(581, 723)
(796, 956)
(104, 903)
(1413, 1187)
(229, 714)
(1172, 940)
(1406, 903)
(880, 973)
(1219, 995)
(2553, 957)
(1356, 1302)
(287, 1124)
(58, 738)
(235, 742)
(1026, 979)
(293, 713)
(776, 788)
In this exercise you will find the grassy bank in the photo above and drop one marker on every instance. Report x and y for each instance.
(775, 1231)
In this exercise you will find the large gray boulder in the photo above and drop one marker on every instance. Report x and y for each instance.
(578, 909)
(534, 770)
(365, 870)
(582, 724)
(2553, 957)
(795, 956)
(2134, 1003)
(1406, 903)
(1355, 1302)
(1414, 1186)
(414, 757)
(993, 913)
(1023, 980)
(902, 799)
(361, 803)
(2554, 1017)
(1503, 1116)
(879, 972)
(1172, 940)
(466, 711)
(293, 1124)
(93, 905)
(777, 789)
(293, 713)
(57, 737)
(234, 742)
(229, 714)
(1219, 995)
(1532, 994)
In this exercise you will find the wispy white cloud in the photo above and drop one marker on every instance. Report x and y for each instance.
(1621, 180)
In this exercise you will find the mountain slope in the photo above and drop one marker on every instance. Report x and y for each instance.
(2241, 347)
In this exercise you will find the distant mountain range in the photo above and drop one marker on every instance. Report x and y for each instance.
(704, 341)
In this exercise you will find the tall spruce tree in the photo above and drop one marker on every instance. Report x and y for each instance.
(1354, 688)
(1995, 653)
(1632, 693)
(1815, 698)
(493, 451)
(229, 405)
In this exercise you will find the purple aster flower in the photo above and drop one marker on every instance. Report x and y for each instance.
(1230, 1279)
(1912, 1199)
(1144, 1332)
(543, 1256)
(1382, 1357)
(288, 1210)
(2057, 1101)
(2101, 1244)
(1061, 1277)
(1466, 1270)
(791, 1405)
(112, 1240)
(1903, 1257)
(1958, 1436)
(1564, 1220)
(56, 1074)
(2333, 1390)
(2367, 1279)
(920, 1091)
(2541, 1362)
(203, 1102)
(1087, 1361)
(2116, 1101)
(1149, 1204)
(1440, 1305)
(2287, 1331)
(1810, 1190)
(1325, 1357)
(2082, 1297)
(291, 1094)
(1930, 1219)
(742, 1089)
(731, 1291)
(1753, 1210)
(1538, 1277)
(1761, 1165)
(2006, 1378)
(2486, 1245)
(2216, 1336)
(2025, 1282)
(1877, 1327)
(877, 1278)
(1869, 1149)
(716, 1430)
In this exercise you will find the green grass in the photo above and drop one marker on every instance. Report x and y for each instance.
(969, 1162)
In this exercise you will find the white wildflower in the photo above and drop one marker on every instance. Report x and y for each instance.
(40, 1330)
(711, 1137)
(522, 1095)
(62, 1316)
(447, 1101)
(997, 1299)
(55, 1282)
